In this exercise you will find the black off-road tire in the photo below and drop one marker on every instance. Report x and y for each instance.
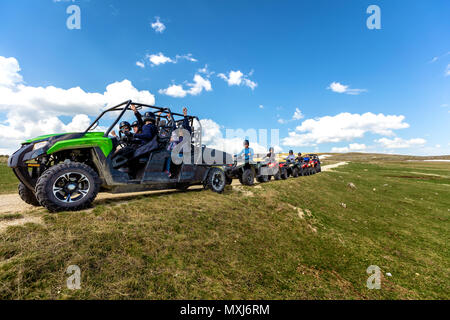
(284, 174)
(44, 187)
(277, 175)
(216, 180)
(228, 180)
(319, 169)
(295, 172)
(248, 177)
(262, 179)
(27, 195)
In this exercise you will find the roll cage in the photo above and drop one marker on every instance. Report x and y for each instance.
(160, 112)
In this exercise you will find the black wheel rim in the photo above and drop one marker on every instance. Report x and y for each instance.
(71, 187)
(217, 180)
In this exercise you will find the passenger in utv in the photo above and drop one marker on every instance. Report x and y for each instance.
(290, 157)
(247, 152)
(176, 138)
(186, 121)
(149, 129)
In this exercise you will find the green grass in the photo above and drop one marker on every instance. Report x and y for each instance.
(8, 181)
(202, 245)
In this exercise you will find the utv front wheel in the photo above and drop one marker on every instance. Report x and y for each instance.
(295, 172)
(27, 195)
(67, 186)
(216, 180)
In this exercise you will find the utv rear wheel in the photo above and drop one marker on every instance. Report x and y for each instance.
(216, 180)
(67, 186)
(228, 180)
(27, 195)
(248, 177)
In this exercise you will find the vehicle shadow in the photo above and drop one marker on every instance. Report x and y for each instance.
(111, 198)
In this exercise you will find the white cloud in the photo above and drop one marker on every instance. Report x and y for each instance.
(32, 111)
(9, 75)
(341, 88)
(343, 127)
(237, 78)
(261, 106)
(160, 58)
(353, 147)
(158, 26)
(298, 114)
(140, 64)
(205, 71)
(447, 71)
(177, 91)
(157, 59)
(399, 143)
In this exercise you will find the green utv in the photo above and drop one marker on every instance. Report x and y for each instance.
(66, 171)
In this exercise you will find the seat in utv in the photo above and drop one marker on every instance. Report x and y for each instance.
(66, 171)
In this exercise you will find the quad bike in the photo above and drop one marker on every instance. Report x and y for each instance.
(316, 163)
(246, 172)
(289, 169)
(66, 171)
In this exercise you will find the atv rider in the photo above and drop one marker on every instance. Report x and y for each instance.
(290, 157)
(299, 157)
(247, 152)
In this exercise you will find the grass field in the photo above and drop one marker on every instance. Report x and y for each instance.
(8, 181)
(290, 239)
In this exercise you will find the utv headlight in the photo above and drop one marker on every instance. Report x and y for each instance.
(40, 145)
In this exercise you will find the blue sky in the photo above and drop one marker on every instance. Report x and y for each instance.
(291, 50)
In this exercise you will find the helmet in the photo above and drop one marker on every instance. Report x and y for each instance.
(291, 151)
(149, 116)
(135, 124)
(299, 153)
(124, 124)
(162, 123)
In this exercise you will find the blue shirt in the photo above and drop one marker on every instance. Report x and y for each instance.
(248, 154)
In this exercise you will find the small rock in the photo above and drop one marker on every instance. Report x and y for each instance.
(351, 185)
(388, 274)
(385, 185)
(417, 274)
(343, 205)
(374, 189)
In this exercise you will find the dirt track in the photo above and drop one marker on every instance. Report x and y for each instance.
(12, 204)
